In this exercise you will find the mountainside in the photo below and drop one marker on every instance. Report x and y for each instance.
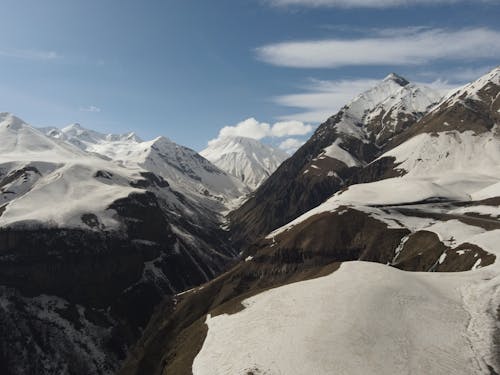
(107, 239)
(374, 323)
(341, 146)
(90, 243)
(249, 160)
(438, 215)
(465, 116)
(182, 167)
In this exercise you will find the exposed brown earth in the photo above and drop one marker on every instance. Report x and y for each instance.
(312, 248)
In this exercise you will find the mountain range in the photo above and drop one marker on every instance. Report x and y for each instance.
(330, 240)
(371, 249)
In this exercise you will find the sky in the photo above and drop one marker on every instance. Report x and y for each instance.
(195, 70)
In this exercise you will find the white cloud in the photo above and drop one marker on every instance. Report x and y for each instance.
(286, 128)
(415, 46)
(251, 128)
(290, 145)
(90, 108)
(30, 54)
(364, 3)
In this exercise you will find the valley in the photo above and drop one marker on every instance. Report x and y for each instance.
(126, 256)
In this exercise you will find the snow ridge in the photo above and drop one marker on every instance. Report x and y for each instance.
(392, 98)
(184, 169)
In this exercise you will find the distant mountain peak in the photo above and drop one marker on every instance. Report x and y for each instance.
(248, 159)
(74, 126)
(162, 140)
(8, 120)
(397, 78)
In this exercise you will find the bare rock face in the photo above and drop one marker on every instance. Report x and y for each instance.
(100, 287)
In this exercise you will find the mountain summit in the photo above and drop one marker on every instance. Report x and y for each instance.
(346, 142)
(247, 159)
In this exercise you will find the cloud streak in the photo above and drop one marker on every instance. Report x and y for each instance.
(90, 108)
(364, 3)
(30, 54)
(322, 99)
(413, 46)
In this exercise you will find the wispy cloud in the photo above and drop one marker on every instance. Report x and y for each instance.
(411, 46)
(365, 3)
(456, 74)
(29, 54)
(323, 99)
(90, 108)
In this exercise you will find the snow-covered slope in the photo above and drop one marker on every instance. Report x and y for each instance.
(365, 318)
(248, 159)
(474, 107)
(50, 182)
(184, 169)
(383, 111)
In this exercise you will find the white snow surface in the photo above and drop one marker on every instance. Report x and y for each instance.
(392, 96)
(365, 318)
(470, 91)
(448, 153)
(250, 160)
(335, 151)
(64, 189)
(446, 166)
(180, 166)
(52, 176)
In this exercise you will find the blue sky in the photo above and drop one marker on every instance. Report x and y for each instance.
(185, 69)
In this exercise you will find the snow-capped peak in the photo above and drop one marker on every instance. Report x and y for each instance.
(162, 141)
(397, 79)
(20, 141)
(473, 89)
(385, 109)
(247, 159)
(82, 137)
(390, 90)
(8, 120)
